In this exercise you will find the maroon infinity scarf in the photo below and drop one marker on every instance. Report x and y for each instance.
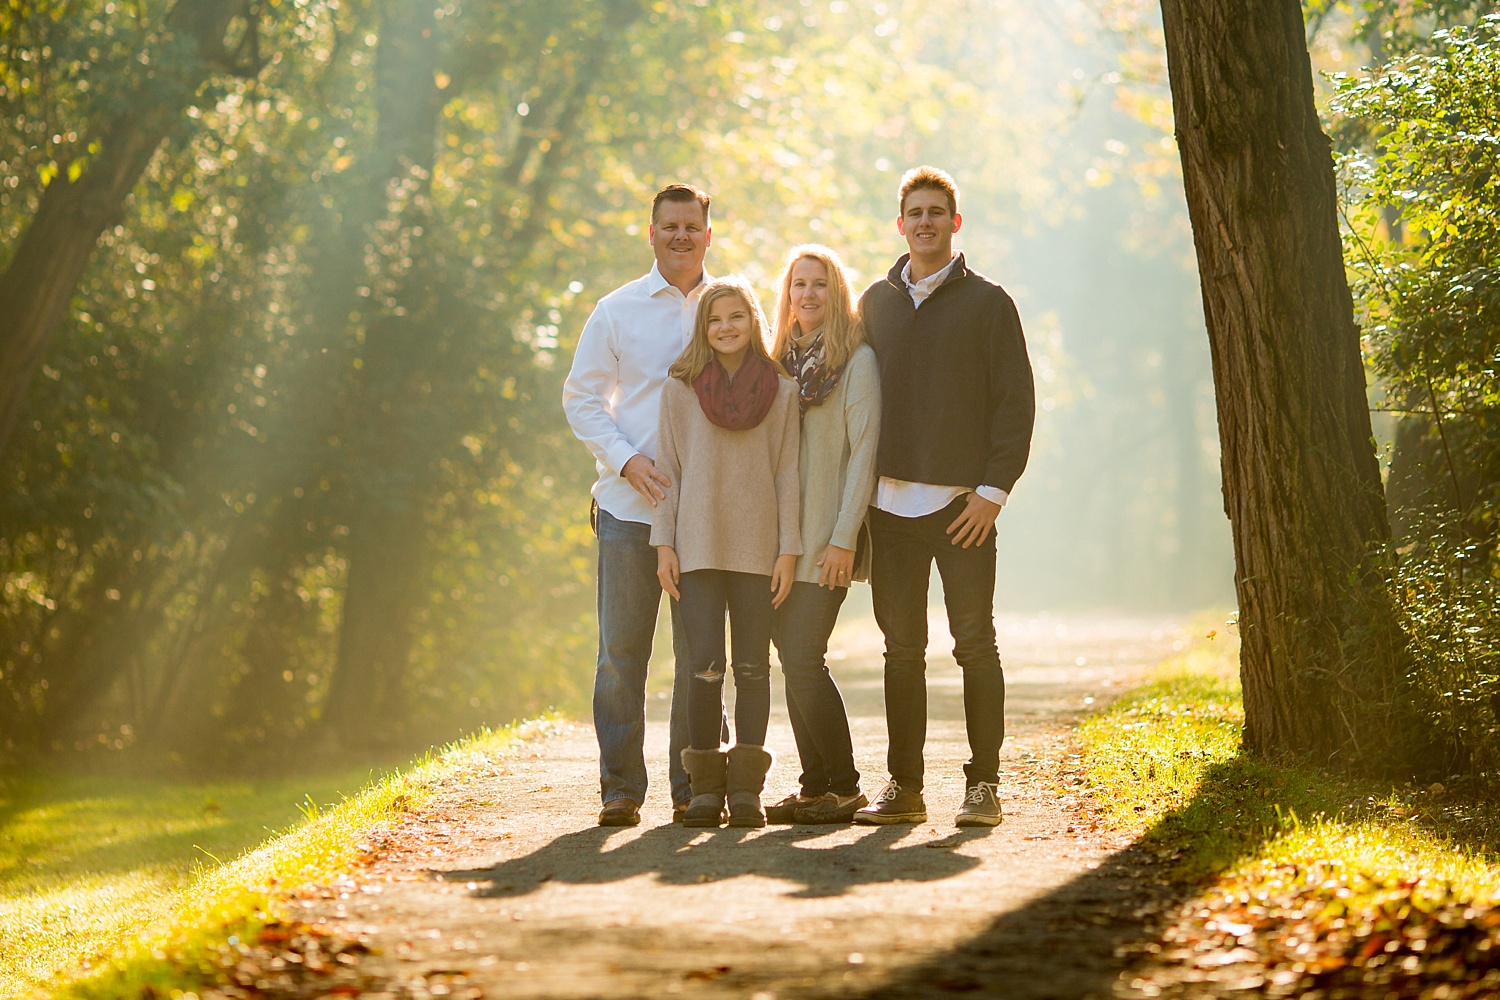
(740, 403)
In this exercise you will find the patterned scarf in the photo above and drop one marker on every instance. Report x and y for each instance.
(813, 380)
(743, 402)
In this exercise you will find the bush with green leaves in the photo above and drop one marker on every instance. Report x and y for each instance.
(1423, 233)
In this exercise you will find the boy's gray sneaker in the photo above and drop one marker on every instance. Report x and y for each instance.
(894, 804)
(981, 806)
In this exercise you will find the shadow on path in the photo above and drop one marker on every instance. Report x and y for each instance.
(1071, 944)
(681, 856)
(1100, 934)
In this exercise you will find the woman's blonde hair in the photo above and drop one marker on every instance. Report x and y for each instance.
(842, 329)
(698, 353)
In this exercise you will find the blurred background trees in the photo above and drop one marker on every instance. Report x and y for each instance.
(291, 469)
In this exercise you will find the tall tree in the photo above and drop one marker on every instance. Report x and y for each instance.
(89, 194)
(1321, 654)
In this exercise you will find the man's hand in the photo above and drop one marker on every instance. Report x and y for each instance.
(973, 526)
(667, 570)
(782, 577)
(837, 567)
(649, 481)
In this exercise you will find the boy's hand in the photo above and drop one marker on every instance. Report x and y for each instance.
(976, 522)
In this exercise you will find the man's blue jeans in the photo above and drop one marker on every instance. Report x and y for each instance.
(629, 598)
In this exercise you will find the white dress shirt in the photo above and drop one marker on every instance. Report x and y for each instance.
(897, 496)
(612, 395)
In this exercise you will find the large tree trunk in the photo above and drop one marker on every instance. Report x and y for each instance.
(51, 256)
(1321, 654)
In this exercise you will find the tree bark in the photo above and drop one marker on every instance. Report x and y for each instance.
(51, 256)
(1321, 654)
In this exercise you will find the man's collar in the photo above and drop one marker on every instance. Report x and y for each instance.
(897, 275)
(656, 282)
(935, 278)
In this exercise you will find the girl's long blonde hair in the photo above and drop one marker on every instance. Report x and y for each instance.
(842, 329)
(696, 356)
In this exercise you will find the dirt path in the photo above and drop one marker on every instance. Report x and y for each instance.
(503, 887)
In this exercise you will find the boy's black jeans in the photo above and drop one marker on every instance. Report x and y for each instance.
(904, 549)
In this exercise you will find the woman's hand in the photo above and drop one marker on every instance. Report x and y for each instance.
(838, 567)
(667, 570)
(781, 579)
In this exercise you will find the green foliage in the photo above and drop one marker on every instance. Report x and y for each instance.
(1423, 208)
(318, 324)
(1389, 29)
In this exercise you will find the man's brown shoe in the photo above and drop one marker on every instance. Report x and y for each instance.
(620, 812)
(894, 804)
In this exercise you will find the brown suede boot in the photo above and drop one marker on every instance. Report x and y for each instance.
(747, 777)
(707, 771)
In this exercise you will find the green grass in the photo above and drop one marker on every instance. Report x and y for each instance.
(109, 886)
(1321, 874)
(86, 860)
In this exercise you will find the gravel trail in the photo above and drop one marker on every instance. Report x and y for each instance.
(504, 887)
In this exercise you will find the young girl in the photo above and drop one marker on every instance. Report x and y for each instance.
(727, 537)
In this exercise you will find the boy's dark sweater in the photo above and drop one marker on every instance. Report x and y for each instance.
(957, 400)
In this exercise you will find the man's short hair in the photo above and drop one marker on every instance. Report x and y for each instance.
(921, 177)
(680, 192)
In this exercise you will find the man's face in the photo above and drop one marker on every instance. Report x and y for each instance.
(680, 237)
(928, 224)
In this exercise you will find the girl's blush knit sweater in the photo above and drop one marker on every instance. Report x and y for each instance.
(733, 503)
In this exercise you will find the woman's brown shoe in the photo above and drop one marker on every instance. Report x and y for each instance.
(830, 808)
(785, 811)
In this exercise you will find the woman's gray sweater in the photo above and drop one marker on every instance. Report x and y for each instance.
(837, 462)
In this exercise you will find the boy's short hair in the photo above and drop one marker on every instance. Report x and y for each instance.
(680, 192)
(918, 178)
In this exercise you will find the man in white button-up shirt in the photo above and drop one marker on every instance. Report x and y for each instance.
(612, 397)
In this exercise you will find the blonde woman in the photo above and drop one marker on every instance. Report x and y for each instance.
(727, 538)
(819, 340)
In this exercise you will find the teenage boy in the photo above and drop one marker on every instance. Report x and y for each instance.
(612, 397)
(957, 406)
